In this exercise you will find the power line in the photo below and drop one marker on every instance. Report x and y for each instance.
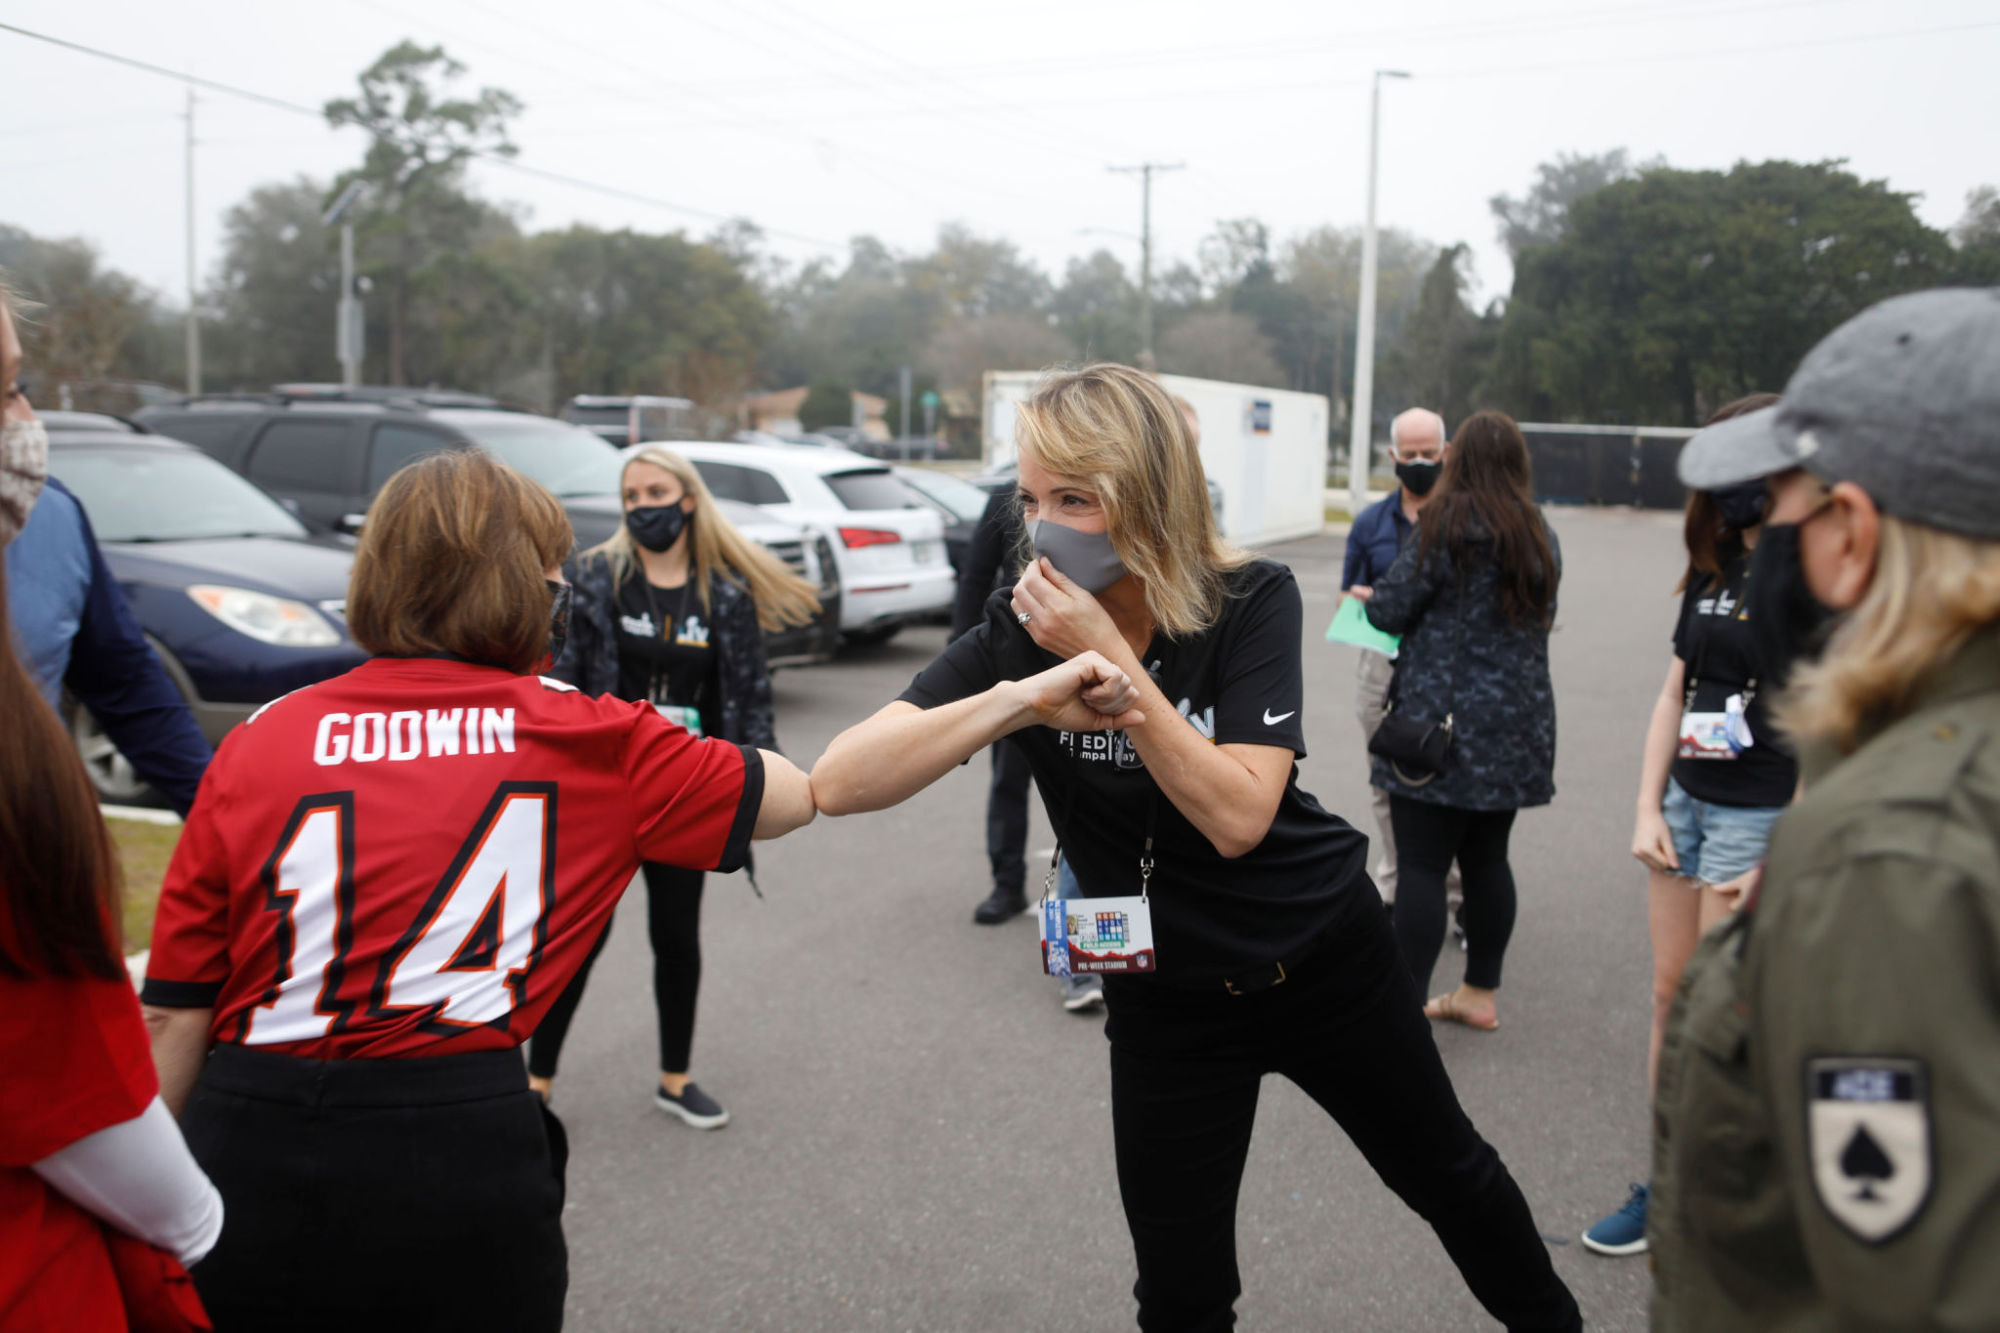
(496, 159)
(1707, 53)
(897, 177)
(878, 88)
(1037, 125)
(1311, 44)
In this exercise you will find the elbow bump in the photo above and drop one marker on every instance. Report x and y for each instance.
(830, 802)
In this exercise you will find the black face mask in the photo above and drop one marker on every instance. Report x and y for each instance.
(1787, 623)
(1742, 505)
(1418, 477)
(559, 595)
(656, 527)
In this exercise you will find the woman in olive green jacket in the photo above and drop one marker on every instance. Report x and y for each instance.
(1828, 1117)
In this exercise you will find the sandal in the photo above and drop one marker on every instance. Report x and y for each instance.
(1446, 1007)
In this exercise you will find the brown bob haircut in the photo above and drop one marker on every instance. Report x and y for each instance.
(454, 559)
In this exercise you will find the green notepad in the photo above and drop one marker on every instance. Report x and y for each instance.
(1350, 625)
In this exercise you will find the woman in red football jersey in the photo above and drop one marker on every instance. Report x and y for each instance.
(386, 880)
(90, 1160)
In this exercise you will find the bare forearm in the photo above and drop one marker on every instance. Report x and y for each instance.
(788, 798)
(1662, 741)
(180, 1049)
(1231, 803)
(903, 749)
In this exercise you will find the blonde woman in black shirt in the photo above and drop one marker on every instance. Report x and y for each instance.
(1272, 951)
(670, 611)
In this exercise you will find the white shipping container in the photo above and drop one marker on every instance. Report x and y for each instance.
(1266, 449)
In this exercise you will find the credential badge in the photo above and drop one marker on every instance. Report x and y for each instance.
(1868, 1128)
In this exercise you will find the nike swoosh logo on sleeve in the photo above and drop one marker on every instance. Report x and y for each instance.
(1270, 721)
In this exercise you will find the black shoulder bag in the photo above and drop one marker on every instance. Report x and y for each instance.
(1418, 750)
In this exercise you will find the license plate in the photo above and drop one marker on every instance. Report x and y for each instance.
(928, 552)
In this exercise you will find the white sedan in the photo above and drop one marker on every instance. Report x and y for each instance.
(888, 544)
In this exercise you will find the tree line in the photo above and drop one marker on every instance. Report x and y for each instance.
(1642, 293)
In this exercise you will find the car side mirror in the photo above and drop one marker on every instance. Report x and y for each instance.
(350, 523)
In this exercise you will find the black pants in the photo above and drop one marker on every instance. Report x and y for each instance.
(1345, 1027)
(421, 1193)
(1428, 837)
(1007, 817)
(673, 919)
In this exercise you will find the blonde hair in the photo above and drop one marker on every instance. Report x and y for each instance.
(1116, 430)
(1932, 591)
(454, 559)
(716, 548)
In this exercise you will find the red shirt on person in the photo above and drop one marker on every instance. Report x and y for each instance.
(412, 859)
(76, 1061)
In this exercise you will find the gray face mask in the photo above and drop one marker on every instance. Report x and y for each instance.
(1086, 559)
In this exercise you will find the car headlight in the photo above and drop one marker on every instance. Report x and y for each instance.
(267, 619)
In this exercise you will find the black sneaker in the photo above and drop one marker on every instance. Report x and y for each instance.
(693, 1105)
(1002, 905)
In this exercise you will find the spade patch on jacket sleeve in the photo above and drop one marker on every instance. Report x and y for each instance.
(1868, 1128)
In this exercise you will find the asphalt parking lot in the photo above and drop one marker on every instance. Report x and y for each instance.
(921, 1137)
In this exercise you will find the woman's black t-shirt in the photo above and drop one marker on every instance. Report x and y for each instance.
(1712, 638)
(1238, 683)
(664, 655)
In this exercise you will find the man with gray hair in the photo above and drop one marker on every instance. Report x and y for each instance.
(1416, 448)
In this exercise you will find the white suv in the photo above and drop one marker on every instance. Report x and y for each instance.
(888, 544)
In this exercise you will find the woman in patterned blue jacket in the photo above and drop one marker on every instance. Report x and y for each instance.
(1473, 597)
(671, 610)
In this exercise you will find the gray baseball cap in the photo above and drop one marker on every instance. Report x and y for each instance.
(1903, 400)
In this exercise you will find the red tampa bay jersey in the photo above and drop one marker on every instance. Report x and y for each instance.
(414, 858)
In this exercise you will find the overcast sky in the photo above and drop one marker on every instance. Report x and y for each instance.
(821, 119)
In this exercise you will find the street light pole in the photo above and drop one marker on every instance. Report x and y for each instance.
(347, 326)
(903, 382)
(1145, 172)
(1361, 432)
(347, 315)
(193, 322)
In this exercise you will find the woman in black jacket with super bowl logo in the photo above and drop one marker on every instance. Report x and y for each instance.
(671, 610)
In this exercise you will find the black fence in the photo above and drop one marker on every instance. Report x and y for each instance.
(1607, 465)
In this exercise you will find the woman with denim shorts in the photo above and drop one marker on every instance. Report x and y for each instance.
(1715, 776)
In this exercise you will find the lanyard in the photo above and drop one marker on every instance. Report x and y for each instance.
(656, 686)
(1749, 690)
(1145, 857)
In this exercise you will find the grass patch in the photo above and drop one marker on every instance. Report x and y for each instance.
(143, 852)
(1338, 516)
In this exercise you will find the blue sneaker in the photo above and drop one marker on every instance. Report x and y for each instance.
(1624, 1232)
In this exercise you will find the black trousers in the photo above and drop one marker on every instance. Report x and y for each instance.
(1428, 838)
(1007, 817)
(420, 1193)
(1346, 1027)
(673, 920)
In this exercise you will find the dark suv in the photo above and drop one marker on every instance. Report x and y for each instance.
(327, 451)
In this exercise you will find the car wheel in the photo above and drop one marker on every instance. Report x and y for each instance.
(868, 638)
(110, 771)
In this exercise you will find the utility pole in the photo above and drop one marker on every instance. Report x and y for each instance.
(1361, 435)
(193, 323)
(1144, 171)
(347, 326)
